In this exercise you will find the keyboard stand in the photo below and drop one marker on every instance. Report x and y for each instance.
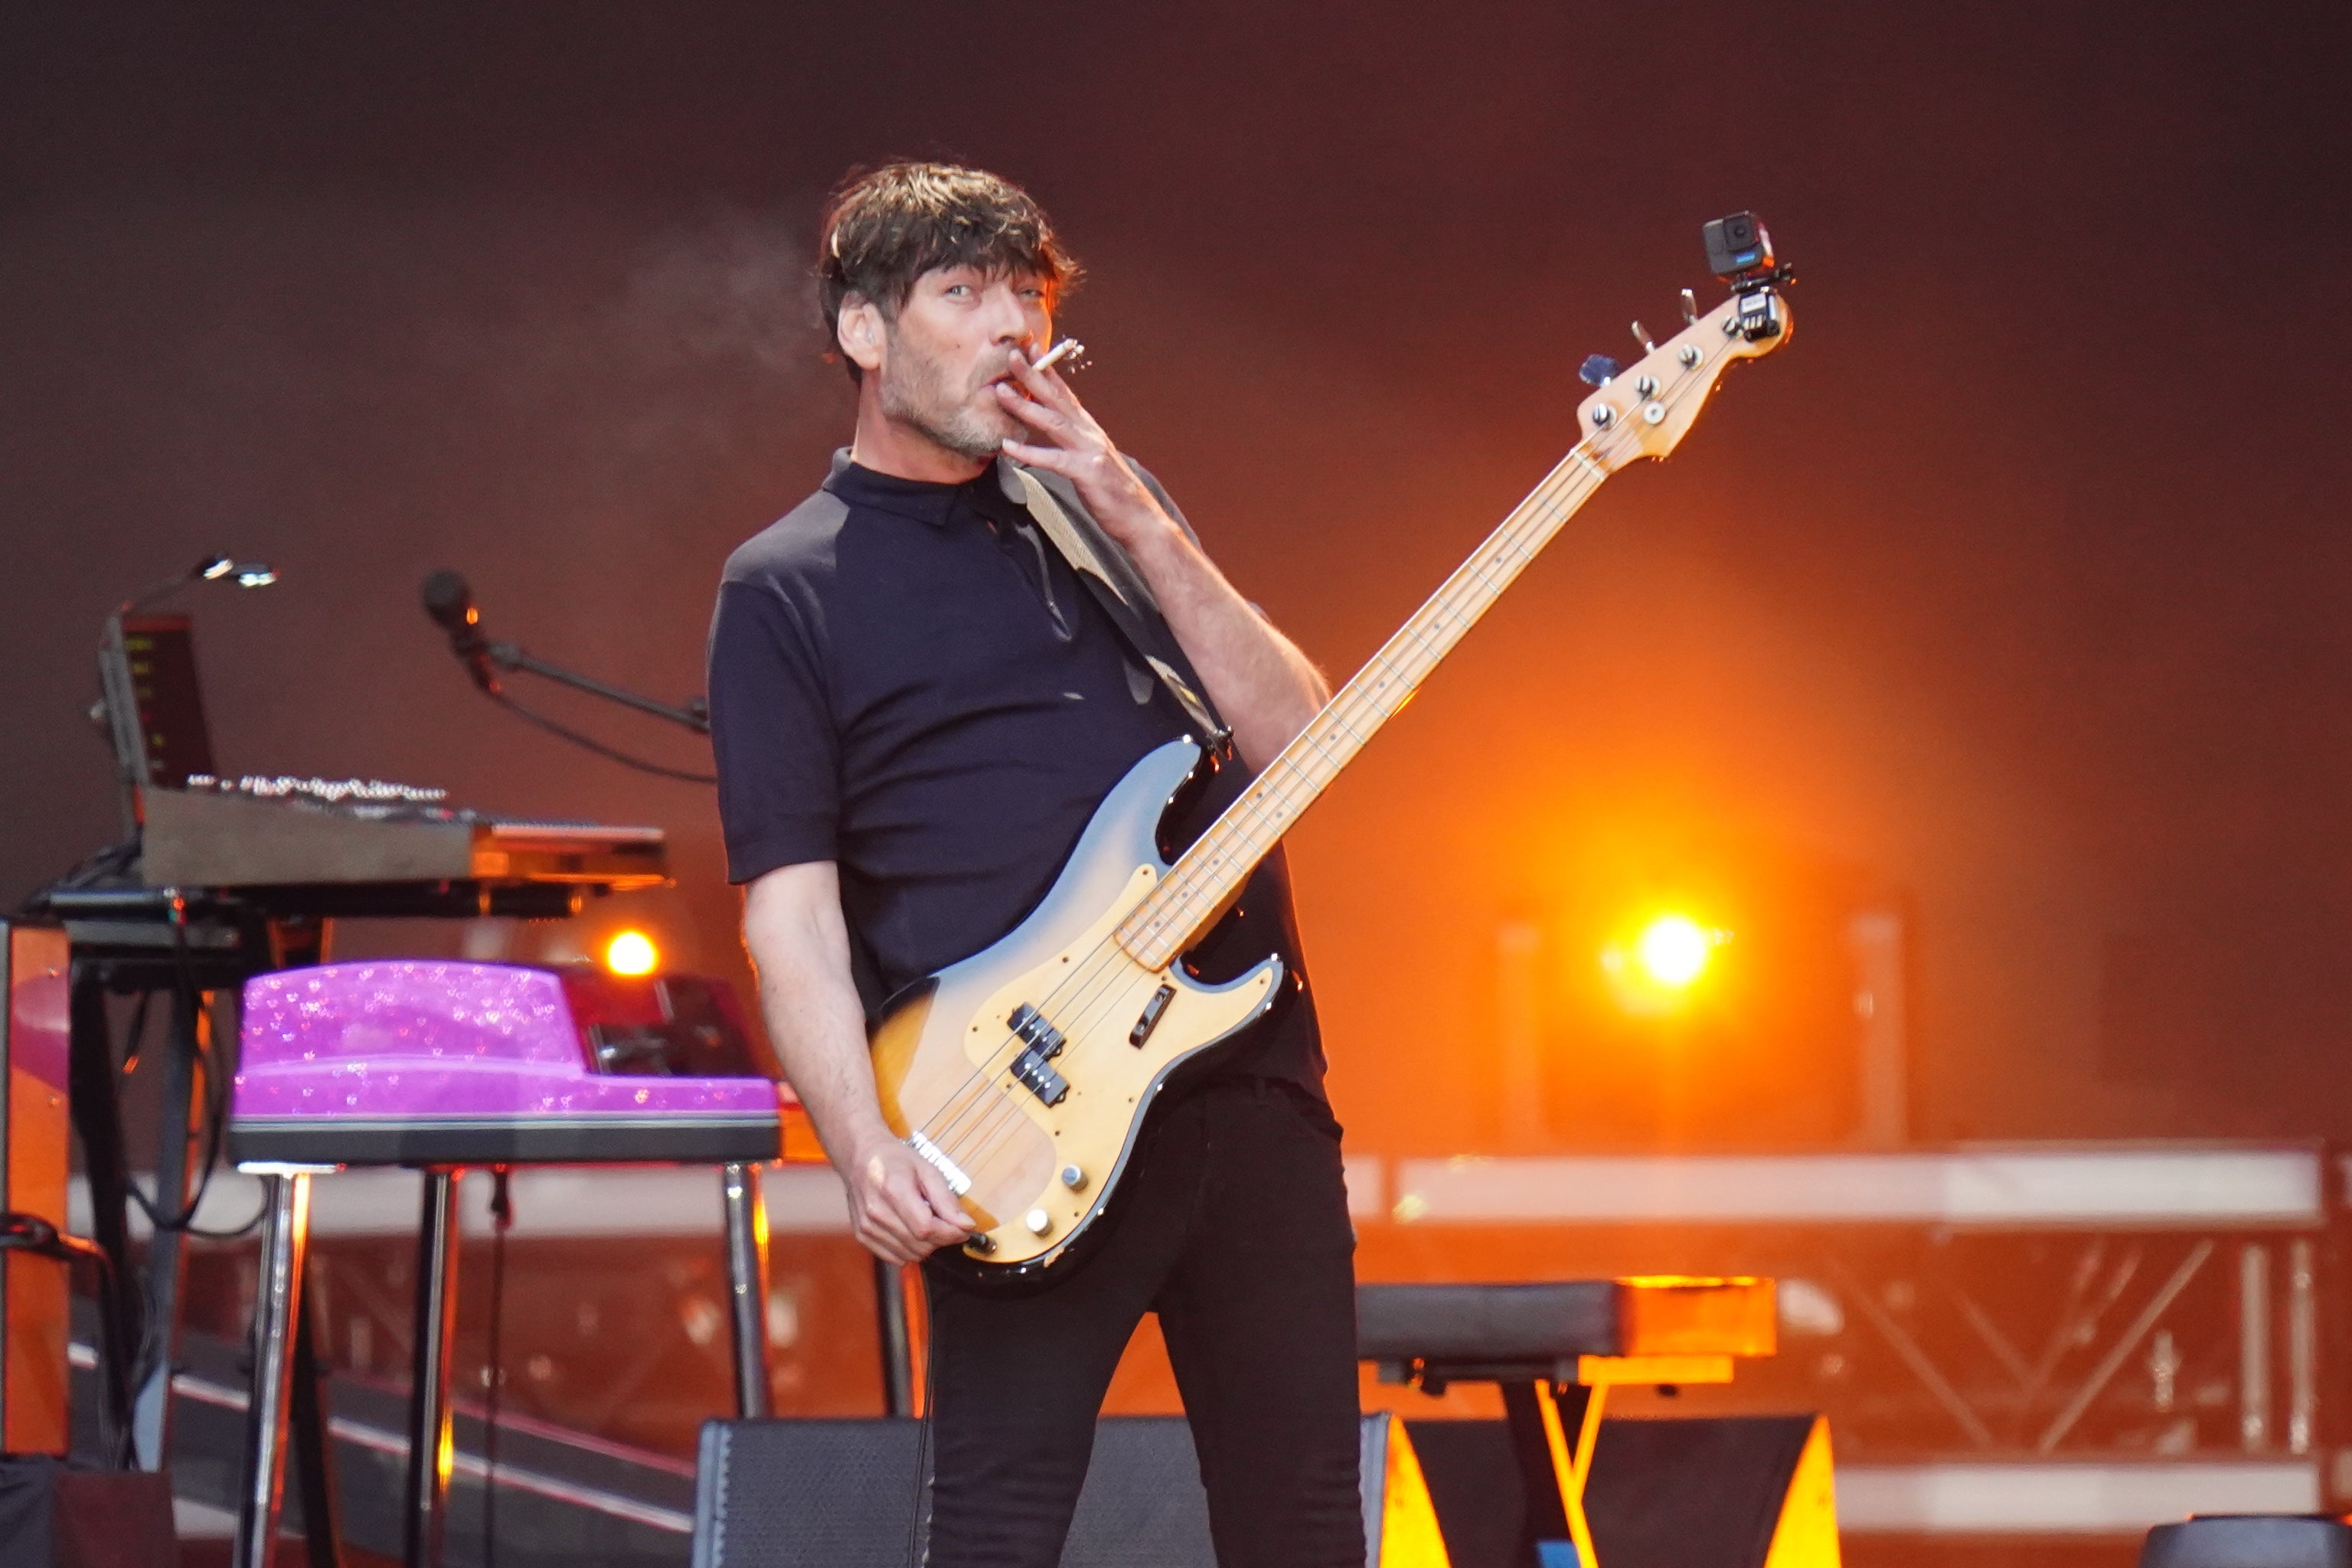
(278, 1371)
(141, 942)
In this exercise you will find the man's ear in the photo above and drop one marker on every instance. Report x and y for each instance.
(858, 329)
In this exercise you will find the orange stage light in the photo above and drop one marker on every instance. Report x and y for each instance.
(1651, 974)
(1673, 950)
(632, 953)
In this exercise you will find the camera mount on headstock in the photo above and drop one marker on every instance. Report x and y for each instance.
(1739, 250)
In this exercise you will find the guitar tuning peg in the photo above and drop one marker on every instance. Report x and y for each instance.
(1598, 369)
(1690, 306)
(1642, 338)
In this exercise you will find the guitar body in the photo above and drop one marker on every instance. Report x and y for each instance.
(1034, 1129)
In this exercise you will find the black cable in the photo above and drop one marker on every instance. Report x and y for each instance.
(216, 1105)
(236, 1232)
(565, 731)
(30, 1233)
(113, 862)
(501, 1218)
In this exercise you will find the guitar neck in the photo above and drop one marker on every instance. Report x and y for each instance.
(1205, 879)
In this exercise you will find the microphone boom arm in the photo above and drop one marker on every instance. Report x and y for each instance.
(513, 658)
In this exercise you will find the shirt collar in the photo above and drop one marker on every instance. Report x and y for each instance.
(922, 499)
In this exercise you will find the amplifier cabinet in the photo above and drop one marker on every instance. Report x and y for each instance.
(33, 1154)
(845, 1494)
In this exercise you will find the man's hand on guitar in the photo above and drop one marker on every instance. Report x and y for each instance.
(900, 1208)
(1069, 442)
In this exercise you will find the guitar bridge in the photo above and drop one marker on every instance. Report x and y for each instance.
(937, 1158)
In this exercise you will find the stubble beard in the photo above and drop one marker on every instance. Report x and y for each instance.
(917, 393)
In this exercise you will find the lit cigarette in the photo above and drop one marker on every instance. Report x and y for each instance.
(1067, 348)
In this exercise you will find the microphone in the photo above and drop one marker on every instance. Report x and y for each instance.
(450, 602)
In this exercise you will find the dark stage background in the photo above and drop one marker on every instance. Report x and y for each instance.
(2012, 594)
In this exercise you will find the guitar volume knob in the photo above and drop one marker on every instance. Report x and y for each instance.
(1074, 1177)
(1039, 1222)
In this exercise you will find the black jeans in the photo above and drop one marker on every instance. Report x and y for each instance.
(1232, 1224)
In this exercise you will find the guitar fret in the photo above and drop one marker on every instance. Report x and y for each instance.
(1225, 855)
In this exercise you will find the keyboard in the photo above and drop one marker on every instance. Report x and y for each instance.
(234, 836)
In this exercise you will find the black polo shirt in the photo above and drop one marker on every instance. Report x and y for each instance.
(908, 679)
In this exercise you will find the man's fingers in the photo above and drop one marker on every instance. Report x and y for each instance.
(894, 1252)
(891, 1215)
(887, 1235)
(881, 1242)
(946, 1211)
(918, 1213)
(1058, 459)
(1044, 415)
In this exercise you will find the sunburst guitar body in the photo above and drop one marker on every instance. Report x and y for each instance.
(1023, 1073)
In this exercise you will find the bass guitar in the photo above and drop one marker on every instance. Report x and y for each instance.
(1023, 1073)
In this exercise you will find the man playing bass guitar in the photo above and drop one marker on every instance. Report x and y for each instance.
(916, 702)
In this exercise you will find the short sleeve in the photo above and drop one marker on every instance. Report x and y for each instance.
(772, 734)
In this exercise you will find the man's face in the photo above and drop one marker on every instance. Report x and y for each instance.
(952, 342)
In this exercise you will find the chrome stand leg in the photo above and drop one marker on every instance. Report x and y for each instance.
(429, 1451)
(746, 1285)
(283, 1249)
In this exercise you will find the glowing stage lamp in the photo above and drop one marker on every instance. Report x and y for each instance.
(632, 953)
(1673, 950)
(1653, 972)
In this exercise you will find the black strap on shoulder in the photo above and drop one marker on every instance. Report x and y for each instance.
(1109, 573)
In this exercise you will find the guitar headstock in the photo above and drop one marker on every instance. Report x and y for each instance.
(1645, 409)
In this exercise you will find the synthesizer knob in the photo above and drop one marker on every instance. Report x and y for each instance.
(1074, 1178)
(1039, 1222)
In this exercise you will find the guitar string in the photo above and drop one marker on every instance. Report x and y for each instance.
(1418, 641)
(1548, 508)
(1427, 628)
(1545, 509)
(1282, 782)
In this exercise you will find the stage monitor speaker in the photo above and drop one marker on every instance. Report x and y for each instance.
(1748, 1491)
(2237, 1540)
(843, 1494)
(32, 1160)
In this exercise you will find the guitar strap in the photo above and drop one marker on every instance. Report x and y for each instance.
(1109, 574)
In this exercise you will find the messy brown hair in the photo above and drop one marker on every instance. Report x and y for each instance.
(884, 229)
